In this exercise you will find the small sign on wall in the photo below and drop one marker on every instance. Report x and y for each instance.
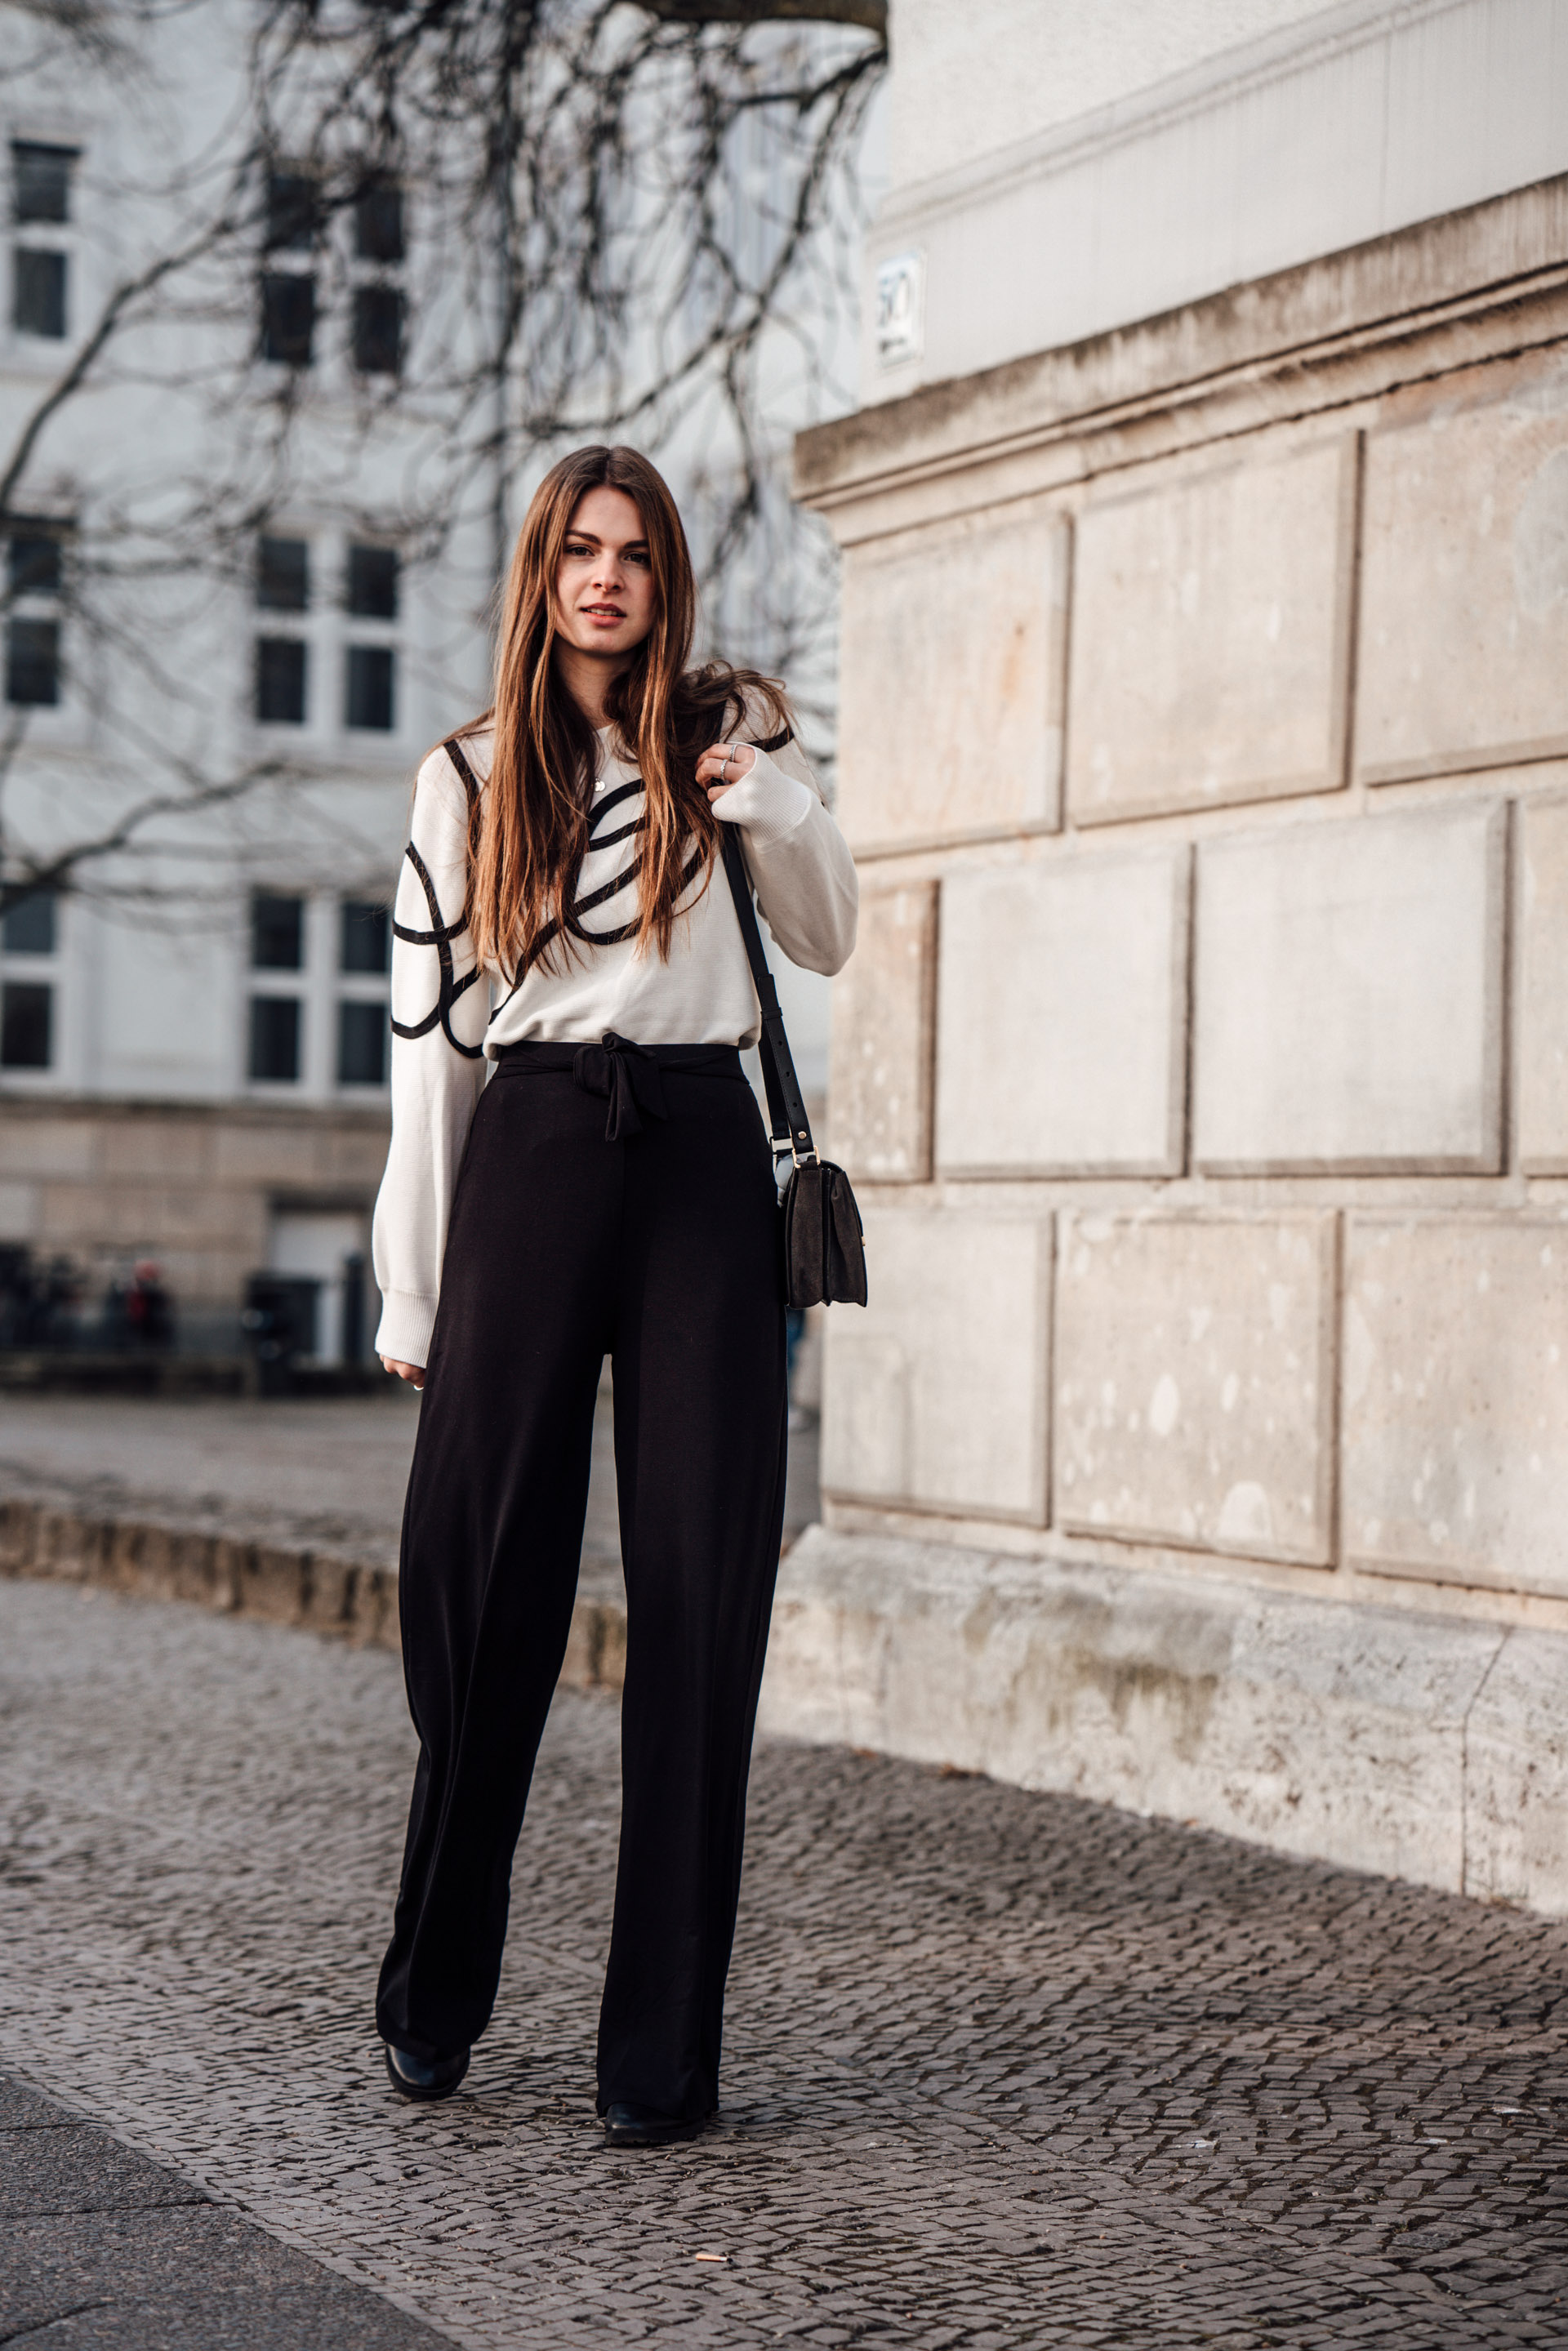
(900, 309)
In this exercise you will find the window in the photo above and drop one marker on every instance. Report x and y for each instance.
(33, 561)
(277, 933)
(26, 1021)
(280, 680)
(361, 1043)
(29, 925)
(368, 699)
(283, 575)
(277, 944)
(378, 219)
(29, 939)
(378, 330)
(41, 259)
(282, 585)
(364, 937)
(39, 307)
(275, 1039)
(339, 669)
(32, 663)
(288, 282)
(317, 1014)
(41, 181)
(288, 317)
(373, 583)
(378, 320)
(35, 573)
(364, 948)
(293, 212)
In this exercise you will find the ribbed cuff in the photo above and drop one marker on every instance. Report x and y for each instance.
(407, 1320)
(767, 801)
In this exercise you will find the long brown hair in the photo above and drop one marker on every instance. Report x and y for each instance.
(528, 832)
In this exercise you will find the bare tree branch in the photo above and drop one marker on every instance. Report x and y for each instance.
(870, 15)
(637, 224)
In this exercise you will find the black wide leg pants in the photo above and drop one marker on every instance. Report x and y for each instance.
(659, 1248)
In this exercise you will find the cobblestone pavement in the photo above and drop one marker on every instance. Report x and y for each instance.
(327, 1473)
(1002, 2069)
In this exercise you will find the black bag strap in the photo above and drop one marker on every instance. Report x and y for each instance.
(786, 1104)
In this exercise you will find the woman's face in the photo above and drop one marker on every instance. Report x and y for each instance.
(604, 585)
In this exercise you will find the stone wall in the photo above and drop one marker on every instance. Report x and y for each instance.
(1203, 1068)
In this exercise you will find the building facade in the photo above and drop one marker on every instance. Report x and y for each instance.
(250, 562)
(1203, 1068)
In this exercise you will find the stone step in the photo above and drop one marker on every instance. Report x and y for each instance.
(353, 1599)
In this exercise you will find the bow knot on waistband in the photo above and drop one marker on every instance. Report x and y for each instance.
(628, 1075)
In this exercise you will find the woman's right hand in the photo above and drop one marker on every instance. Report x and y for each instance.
(413, 1372)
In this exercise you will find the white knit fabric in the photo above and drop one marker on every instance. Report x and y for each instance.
(704, 994)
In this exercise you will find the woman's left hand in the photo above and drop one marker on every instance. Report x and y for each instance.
(724, 764)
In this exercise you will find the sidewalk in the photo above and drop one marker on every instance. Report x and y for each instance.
(305, 1498)
(1001, 2068)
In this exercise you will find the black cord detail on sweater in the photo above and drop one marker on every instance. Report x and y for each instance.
(440, 936)
(573, 907)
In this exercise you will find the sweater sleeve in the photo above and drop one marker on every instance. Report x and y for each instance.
(798, 858)
(440, 1006)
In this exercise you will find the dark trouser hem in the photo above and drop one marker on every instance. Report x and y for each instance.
(662, 1251)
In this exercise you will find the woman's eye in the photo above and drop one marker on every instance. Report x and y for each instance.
(642, 559)
(577, 554)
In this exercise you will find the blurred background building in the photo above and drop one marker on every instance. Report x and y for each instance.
(269, 413)
(1203, 745)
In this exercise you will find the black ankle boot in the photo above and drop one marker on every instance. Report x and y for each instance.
(645, 2126)
(417, 2079)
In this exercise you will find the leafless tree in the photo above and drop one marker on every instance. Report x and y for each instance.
(640, 218)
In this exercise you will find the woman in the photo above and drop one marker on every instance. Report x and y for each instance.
(563, 919)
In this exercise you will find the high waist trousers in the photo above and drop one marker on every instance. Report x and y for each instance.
(618, 1202)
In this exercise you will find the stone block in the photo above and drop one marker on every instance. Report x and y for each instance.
(273, 1581)
(1321, 1726)
(1516, 1793)
(1349, 988)
(879, 1069)
(329, 1588)
(158, 1150)
(1454, 1412)
(1210, 638)
(1543, 987)
(19, 1535)
(142, 1218)
(950, 670)
(1193, 1376)
(374, 1621)
(935, 1396)
(1062, 1017)
(19, 1210)
(74, 1549)
(48, 1146)
(358, 1156)
(266, 1154)
(1463, 657)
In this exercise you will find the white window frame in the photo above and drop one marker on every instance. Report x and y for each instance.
(327, 629)
(319, 986)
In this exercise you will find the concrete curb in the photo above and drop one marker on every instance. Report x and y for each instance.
(353, 1600)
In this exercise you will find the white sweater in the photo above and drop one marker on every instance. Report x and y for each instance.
(704, 994)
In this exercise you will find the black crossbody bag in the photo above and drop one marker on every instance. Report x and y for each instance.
(824, 1246)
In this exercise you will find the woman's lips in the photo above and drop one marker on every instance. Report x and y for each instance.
(603, 613)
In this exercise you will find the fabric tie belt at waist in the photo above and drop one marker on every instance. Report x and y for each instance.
(628, 1074)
